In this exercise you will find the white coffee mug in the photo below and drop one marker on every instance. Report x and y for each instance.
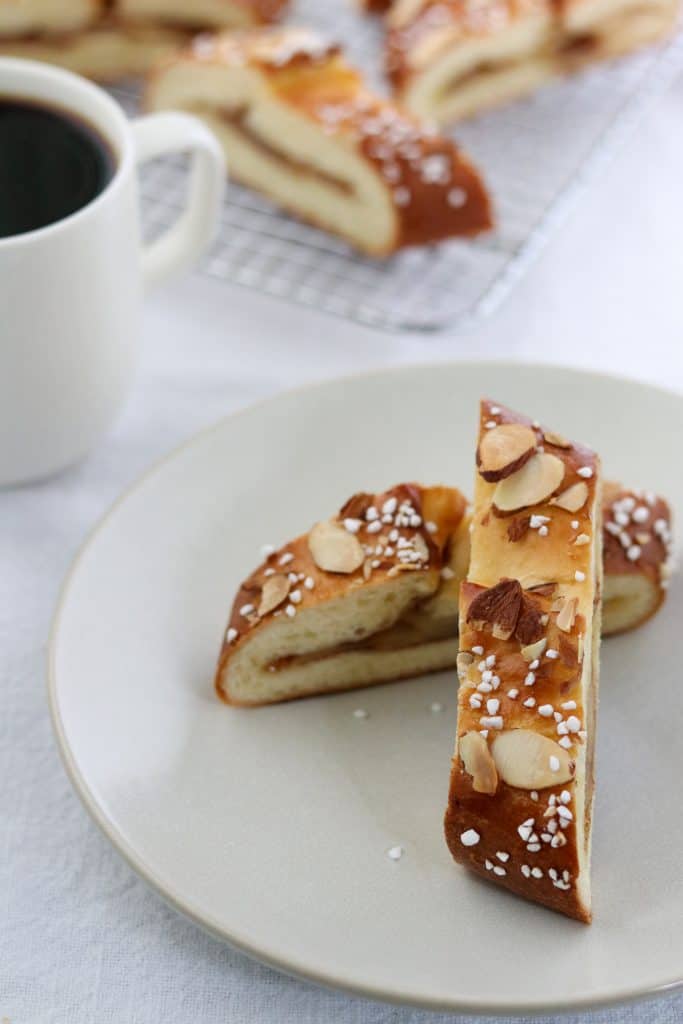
(70, 293)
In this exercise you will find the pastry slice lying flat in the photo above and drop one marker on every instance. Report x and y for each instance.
(299, 125)
(521, 794)
(110, 40)
(106, 50)
(448, 59)
(349, 604)
(29, 17)
(637, 554)
(204, 14)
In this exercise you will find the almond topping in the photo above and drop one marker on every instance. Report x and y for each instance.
(498, 606)
(504, 450)
(477, 761)
(574, 498)
(567, 614)
(529, 760)
(518, 528)
(275, 590)
(356, 506)
(334, 549)
(531, 484)
(533, 651)
(556, 439)
(529, 627)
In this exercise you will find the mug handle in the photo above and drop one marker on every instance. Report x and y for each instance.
(181, 245)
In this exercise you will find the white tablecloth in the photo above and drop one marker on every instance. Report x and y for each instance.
(81, 938)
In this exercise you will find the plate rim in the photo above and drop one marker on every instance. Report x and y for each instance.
(145, 871)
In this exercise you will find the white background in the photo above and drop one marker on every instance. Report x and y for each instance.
(81, 939)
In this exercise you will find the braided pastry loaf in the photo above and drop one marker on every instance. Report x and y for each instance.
(521, 793)
(449, 59)
(299, 125)
(110, 39)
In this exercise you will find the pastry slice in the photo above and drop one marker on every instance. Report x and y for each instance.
(35, 17)
(106, 51)
(340, 607)
(204, 14)
(521, 794)
(449, 60)
(638, 555)
(299, 125)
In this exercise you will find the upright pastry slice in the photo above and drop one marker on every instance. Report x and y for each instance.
(204, 14)
(347, 604)
(299, 125)
(637, 549)
(449, 59)
(521, 794)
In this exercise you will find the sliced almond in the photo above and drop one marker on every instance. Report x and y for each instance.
(567, 614)
(477, 761)
(275, 590)
(556, 439)
(504, 449)
(533, 651)
(518, 528)
(498, 607)
(524, 759)
(334, 549)
(574, 498)
(530, 624)
(367, 568)
(531, 484)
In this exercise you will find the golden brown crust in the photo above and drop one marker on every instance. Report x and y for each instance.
(435, 190)
(390, 521)
(375, 6)
(525, 838)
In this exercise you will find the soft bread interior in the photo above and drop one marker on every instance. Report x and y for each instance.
(629, 599)
(329, 647)
(105, 52)
(283, 153)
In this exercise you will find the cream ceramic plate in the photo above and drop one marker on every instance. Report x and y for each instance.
(271, 827)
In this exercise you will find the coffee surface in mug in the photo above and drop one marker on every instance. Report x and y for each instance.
(51, 165)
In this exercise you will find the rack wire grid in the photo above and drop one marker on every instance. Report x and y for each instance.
(536, 156)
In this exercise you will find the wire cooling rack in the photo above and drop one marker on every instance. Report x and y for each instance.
(535, 155)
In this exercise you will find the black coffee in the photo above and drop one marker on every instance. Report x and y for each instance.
(51, 164)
